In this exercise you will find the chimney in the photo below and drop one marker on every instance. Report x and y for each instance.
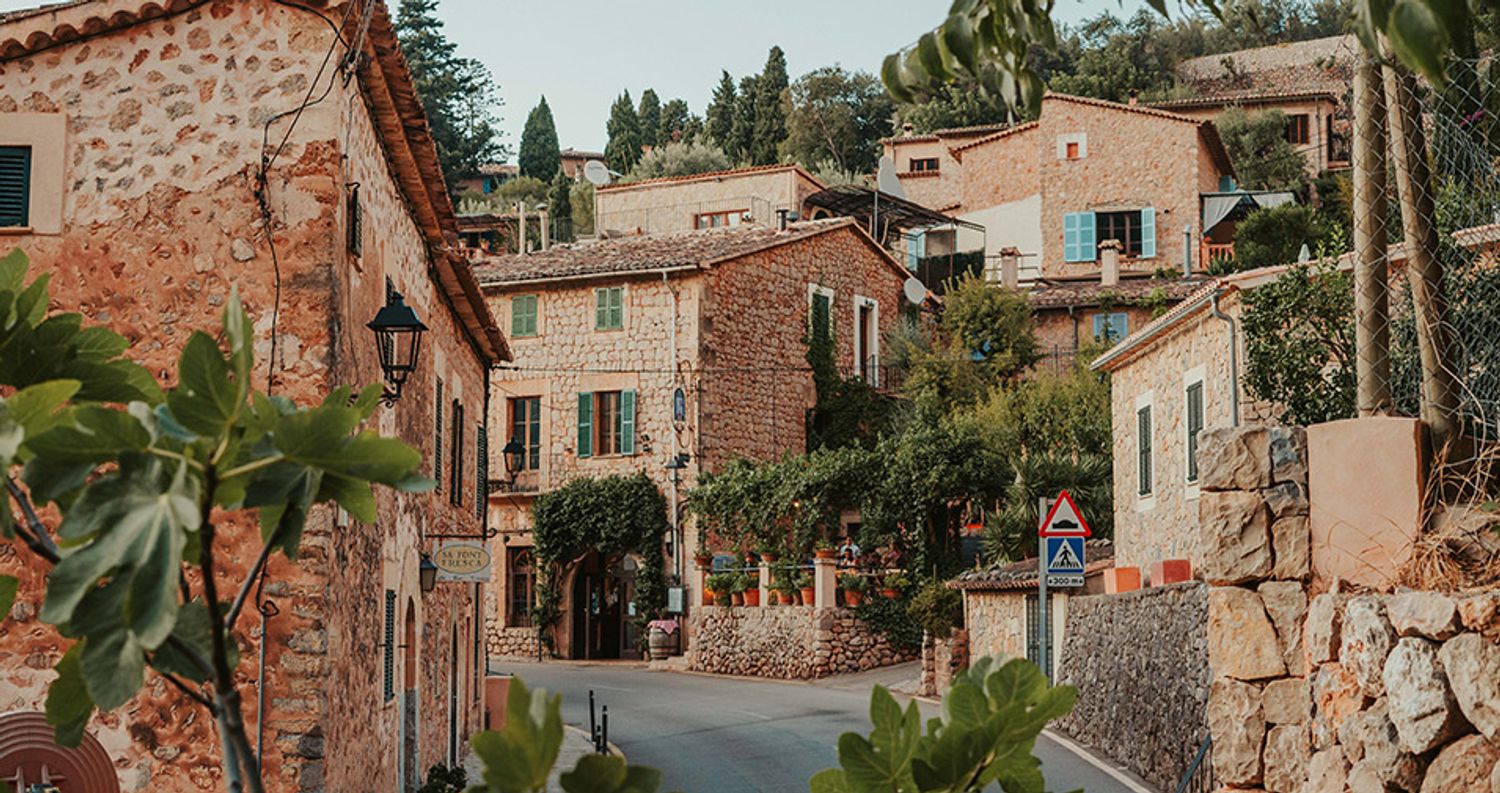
(1134, 95)
(1010, 268)
(906, 129)
(781, 219)
(521, 227)
(1109, 262)
(546, 231)
(1187, 251)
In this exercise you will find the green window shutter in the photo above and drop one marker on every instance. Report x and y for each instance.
(523, 315)
(601, 309)
(1143, 448)
(481, 470)
(585, 424)
(627, 422)
(15, 185)
(822, 316)
(1148, 233)
(390, 645)
(534, 445)
(617, 307)
(1194, 426)
(437, 440)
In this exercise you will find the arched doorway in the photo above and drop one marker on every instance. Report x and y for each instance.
(604, 607)
(30, 757)
(410, 762)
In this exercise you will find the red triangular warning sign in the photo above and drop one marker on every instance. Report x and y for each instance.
(1064, 519)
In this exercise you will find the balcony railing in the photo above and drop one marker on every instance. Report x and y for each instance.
(1212, 252)
(880, 376)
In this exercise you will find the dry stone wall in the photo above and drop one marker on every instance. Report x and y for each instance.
(786, 642)
(1140, 663)
(1339, 691)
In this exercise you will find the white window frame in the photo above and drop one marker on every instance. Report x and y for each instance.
(860, 353)
(1193, 376)
(1144, 503)
(1080, 138)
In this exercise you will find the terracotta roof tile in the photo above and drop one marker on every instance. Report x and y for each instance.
(957, 151)
(733, 172)
(1304, 66)
(686, 250)
(948, 132)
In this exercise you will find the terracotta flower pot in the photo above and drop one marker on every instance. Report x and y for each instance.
(703, 560)
(752, 597)
(809, 596)
(784, 598)
(852, 598)
(737, 599)
(891, 593)
(769, 556)
(723, 599)
(825, 553)
(708, 597)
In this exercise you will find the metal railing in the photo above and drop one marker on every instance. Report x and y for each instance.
(1199, 776)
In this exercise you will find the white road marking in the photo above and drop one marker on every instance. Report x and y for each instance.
(1113, 772)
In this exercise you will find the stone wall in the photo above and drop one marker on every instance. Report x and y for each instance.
(1140, 664)
(786, 642)
(506, 642)
(942, 659)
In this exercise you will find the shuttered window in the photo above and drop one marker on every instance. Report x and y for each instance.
(456, 474)
(1111, 328)
(390, 645)
(523, 315)
(481, 470)
(609, 308)
(526, 427)
(585, 424)
(820, 316)
(437, 439)
(1143, 451)
(1194, 426)
(1078, 237)
(356, 222)
(15, 186)
(606, 423)
(627, 422)
(1148, 233)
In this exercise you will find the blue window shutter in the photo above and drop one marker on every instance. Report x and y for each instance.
(1070, 237)
(1148, 233)
(1087, 245)
(1119, 324)
(1078, 237)
(1226, 184)
(627, 422)
(585, 424)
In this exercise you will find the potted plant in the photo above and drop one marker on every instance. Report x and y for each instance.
(721, 584)
(768, 552)
(824, 549)
(853, 585)
(894, 585)
(737, 588)
(752, 589)
(805, 587)
(703, 557)
(784, 587)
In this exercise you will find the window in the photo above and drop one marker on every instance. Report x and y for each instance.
(867, 339)
(1111, 328)
(1072, 146)
(15, 186)
(1298, 129)
(916, 248)
(523, 315)
(1143, 451)
(526, 427)
(923, 164)
(718, 220)
(389, 657)
(606, 423)
(609, 308)
(356, 221)
(819, 312)
(1071, 150)
(521, 587)
(437, 435)
(456, 463)
(1194, 424)
(1135, 229)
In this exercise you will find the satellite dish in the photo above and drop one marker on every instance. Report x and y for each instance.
(915, 290)
(1304, 255)
(596, 172)
(886, 180)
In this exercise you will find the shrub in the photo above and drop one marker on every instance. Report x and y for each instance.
(937, 609)
(1268, 237)
(890, 619)
(442, 779)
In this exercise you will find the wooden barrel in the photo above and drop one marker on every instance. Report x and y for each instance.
(662, 644)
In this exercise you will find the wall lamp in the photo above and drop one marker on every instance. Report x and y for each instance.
(398, 335)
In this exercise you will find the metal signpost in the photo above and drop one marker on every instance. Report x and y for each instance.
(1061, 531)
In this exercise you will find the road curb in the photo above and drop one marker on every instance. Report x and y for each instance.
(613, 747)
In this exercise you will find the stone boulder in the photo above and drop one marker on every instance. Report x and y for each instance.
(1495, 778)
(1292, 546)
(1473, 666)
(1367, 640)
(1370, 744)
(1286, 602)
(1418, 698)
(1288, 499)
(1234, 542)
(1481, 614)
(1464, 766)
(1327, 771)
(1320, 634)
(1287, 701)
(1429, 614)
(1241, 640)
(1286, 756)
(1239, 729)
(1336, 697)
(1288, 448)
(1234, 458)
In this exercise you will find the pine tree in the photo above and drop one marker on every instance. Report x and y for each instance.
(649, 117)
(718, 120)
(560, 205)
(769, 128)
(458, 94)
(540, 154)
(742, 132)
(623, 150)
(674, 122)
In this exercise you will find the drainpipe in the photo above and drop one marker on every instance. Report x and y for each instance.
(1234, 358)
(677, 550)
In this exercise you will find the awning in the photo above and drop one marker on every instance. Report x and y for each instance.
(895, 214)
(1218, 206)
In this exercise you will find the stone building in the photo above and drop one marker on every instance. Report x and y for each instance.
(573, 161)
(718, 199)
(143, 127)
(1085, 172)
(930, 174)
(636, 351)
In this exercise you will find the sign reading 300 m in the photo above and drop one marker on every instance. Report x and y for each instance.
(460, 560)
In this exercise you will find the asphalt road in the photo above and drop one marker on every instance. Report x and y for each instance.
(725, 735)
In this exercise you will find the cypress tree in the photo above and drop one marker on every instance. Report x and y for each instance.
(624, 148)
(770, 118)
(674, 122)
(743, 130)
(560, 205)
(540, 154)
(719, 118)
(649, 117)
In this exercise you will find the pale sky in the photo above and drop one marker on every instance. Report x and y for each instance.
(581, 54)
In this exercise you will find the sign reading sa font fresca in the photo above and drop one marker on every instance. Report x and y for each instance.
(460, 560)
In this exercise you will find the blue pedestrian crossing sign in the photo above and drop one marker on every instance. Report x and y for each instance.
(1063, 554)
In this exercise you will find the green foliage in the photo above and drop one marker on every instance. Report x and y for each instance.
(648, 116)
(890, 618)
(837, 117)
(1299, 343)
(540, 156)
(718, 122)
(783, 505)
(937, 608)
(458, 94)
(442, 779)
(1050, 413)
(677, 125)
(992, 716)
(1010, 534)
(680, 159)
(951, 106)
(521, 189)
(742, 130)
(8, 586)
(1269, 237)
(560, 205)
(984, 337)
(623, 150)
(769, 127)
(1259, 151)
(853, 582)
(581, 201)
(137, 476)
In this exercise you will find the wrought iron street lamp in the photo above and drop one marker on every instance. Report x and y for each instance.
(427, 573)
(513, 452)
(398, 335)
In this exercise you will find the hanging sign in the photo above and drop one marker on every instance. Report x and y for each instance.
(462, 560)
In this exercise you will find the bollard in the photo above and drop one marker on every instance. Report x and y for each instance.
(604, 730)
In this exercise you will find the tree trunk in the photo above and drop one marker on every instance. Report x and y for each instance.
(1371, 309)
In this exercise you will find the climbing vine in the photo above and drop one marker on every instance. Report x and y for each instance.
(613, 515)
